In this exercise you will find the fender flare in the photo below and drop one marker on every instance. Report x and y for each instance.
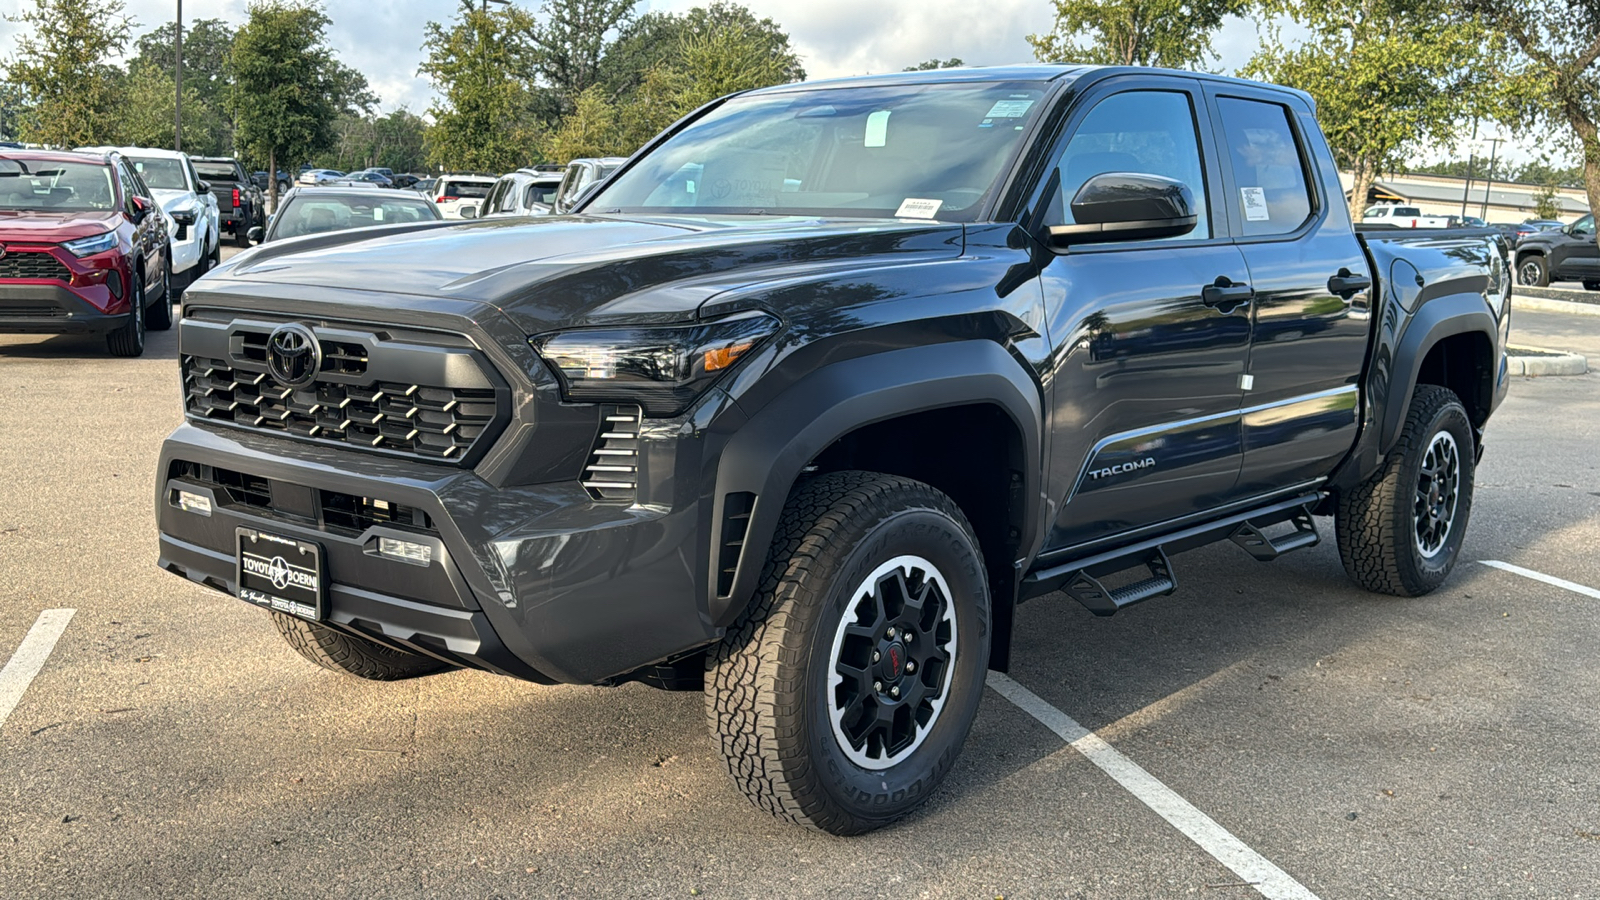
(1438, 318)
(766, 454)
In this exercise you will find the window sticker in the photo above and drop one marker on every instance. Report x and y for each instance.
(1009, 109)
(918, 209)
(878, 128)
(1255, 204)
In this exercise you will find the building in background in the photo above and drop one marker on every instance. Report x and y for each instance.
(1440, 195)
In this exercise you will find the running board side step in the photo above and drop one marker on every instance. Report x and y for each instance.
(1102, 601)
(1252, 540)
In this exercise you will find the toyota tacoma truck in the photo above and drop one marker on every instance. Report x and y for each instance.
(812, 392)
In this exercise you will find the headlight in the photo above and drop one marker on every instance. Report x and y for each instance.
(91, 245)
(182, 216)
(663, 369)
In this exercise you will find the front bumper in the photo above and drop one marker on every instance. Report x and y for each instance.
(541, 582)
(80, 301)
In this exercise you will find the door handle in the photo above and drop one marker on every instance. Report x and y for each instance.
(1347, 282)
(1225, 296)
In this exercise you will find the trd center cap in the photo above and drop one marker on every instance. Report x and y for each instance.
(894, 662)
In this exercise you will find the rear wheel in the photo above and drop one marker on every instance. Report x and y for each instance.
(159, 313)
(1401, 531)
(1591, 285)
(842, 697)
(1532, 272)
(128, 340)
(351, 655)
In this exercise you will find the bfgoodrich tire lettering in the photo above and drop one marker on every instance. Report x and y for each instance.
(341, 652)
(1401, 531)
(768, 683)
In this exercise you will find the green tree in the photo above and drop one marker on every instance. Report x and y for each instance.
(929, 65)
(62, 63)
(566, 50)
(147, 113)
(655, 38)
(1547, 202)
(589, 130)
(1389, 76)
(287, 89)
(484, 119)
(395, 141)
(206, 45)
(1172, 33)
(1559, 82)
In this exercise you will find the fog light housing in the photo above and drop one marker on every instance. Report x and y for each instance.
(192, 502)
(405, 551)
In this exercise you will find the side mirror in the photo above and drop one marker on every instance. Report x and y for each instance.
(1127, 206)
(255, 234)
(204, 186)
(141, 209)
(469, 212)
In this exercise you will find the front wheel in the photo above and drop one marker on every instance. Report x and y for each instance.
(128, 339)
(1401, 531)
(1591, 285)
(159, 313)
(842, 697)
(1533, 272)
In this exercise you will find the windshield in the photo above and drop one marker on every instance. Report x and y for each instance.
(925, 151)
(161, 174)
(36, 185)
(315, 215)
(217, 171)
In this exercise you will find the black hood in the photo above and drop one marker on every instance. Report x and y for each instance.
(548, 273)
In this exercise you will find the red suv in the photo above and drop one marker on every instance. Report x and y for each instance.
(84, 249)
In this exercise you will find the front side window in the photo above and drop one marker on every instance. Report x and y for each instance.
(1584, 225)
(1146, 132)
(40, 186)
(922, 151)
(1274, 195)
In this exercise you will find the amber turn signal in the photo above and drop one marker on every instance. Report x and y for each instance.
(726, 356)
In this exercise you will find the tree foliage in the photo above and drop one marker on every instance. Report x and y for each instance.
(287, 88)
(146, 116)
(484, 119)
(63, 65)
(394, 141)
(1389, 77)
(567, 48)
(929, 65)
(1175, 34)
(1557, 85)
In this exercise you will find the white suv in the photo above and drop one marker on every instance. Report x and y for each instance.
(193, 220)
(453, 194)
(525, 192)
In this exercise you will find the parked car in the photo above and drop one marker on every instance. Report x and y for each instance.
(424, 185)
(452, 192)
(370, 176)
(1564, 253)
(525, 192)
(1399, 216)
(802, 432)
(261, 181)
(84, 249)
(240, 204)
(321, 210)
(312, 177)
(193, 217)
(582, 175)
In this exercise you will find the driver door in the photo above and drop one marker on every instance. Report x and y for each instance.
(1577, 257)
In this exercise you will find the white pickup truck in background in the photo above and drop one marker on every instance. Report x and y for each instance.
(1402, 217)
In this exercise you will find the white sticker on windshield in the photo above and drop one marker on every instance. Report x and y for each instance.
(1009, 109)
(1255, 204)
(918, 209)
(878, 128)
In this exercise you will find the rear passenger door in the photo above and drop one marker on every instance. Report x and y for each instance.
(1151, 335)
(1308, 342)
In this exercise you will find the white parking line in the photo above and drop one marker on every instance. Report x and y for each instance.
(1540, 576)
(29, 658)
(1251, 867)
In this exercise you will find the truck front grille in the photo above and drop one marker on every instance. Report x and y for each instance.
(33, 264)
(613, 470)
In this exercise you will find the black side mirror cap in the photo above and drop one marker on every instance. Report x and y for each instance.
(1127, 206)
(255, 234)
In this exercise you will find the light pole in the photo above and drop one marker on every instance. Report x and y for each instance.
(177, 80)
(1494, 146)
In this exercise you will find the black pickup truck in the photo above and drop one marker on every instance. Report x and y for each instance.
(239, 201)
(811, 393)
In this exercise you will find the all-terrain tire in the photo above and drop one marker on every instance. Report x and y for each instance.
(1379, 523)
(351, 655)
(1591, 285)
(158, 315)
(1533, 271)
(768, 696)
(128, 339)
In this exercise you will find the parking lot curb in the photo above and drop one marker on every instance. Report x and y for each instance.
(1551, 300)
(1537, 361)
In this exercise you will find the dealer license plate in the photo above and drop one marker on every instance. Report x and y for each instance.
(281, 573)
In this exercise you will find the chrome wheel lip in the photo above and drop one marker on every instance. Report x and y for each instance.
(1438, 495)
(864, 592)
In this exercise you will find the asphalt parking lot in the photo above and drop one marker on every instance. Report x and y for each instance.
(1367, 747)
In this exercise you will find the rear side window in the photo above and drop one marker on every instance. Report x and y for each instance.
(1268, 169)
(1148, 132)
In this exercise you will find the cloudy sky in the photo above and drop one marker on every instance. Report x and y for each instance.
(833, 37)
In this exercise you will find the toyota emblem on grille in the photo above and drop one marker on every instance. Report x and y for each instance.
(294, 355)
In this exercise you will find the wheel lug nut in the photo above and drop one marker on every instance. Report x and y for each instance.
(876, 656)
(906, 636)
(894, 692)
(890, 635)
(910, 667)
(877, 685)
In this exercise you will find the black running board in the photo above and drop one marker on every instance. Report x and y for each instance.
(1097, 566)
(1103, 601)
(1250, 537)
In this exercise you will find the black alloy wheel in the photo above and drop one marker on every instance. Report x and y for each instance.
(1532, 272)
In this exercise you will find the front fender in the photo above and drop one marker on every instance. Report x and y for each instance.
(769, 451)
